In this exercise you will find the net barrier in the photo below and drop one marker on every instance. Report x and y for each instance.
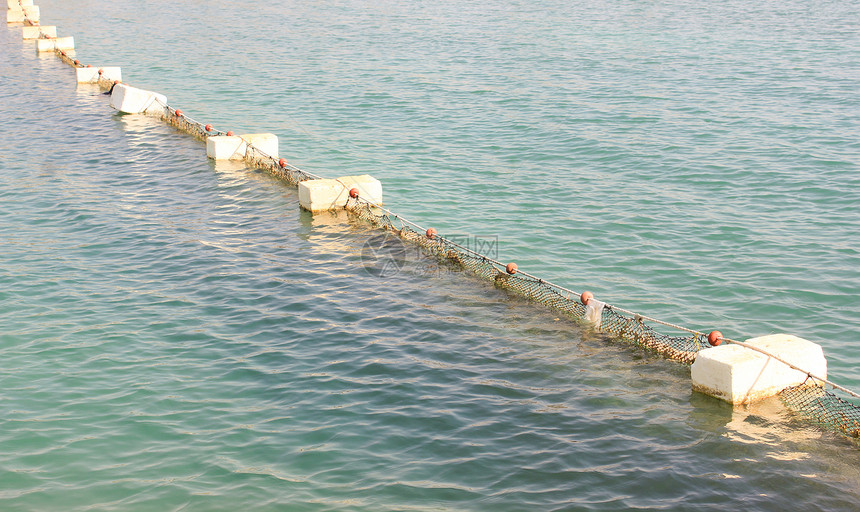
(811, 400)
(817, 404)
(682, 348)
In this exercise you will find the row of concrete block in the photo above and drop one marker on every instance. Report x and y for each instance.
(45, 35)
(47, 41)
(20, 12)
(314, 195)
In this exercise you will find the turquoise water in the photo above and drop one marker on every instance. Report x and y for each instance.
(177, 335)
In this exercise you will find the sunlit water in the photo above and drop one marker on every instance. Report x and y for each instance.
(176, 335)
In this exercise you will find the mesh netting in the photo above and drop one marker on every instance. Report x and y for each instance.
(185, 124)
(254, 157)
(616, 324)
(261, 160)
(824, 407)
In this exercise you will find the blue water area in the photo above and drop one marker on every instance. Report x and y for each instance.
(176, 334)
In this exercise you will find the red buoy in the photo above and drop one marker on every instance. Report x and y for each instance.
(585, 297)
(715, 338)
(208, 127)
(178, 113)
(353, 193)
(230, 133)
(77, 62)
(89, 65)
(101, 71)
(431, 233)
(511, 268)
(282, 162)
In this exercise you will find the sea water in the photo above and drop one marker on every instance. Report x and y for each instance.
(175, 334)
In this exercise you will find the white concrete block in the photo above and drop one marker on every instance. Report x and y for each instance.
(327, 194)
(91, 75)
(59, 43)
(132, 100)
(264, 142)
(739, 375)
(225, 147)
(36, 31)
(20, 14)
(235, 147)
(16, 4)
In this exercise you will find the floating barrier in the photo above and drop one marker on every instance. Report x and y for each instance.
(329, 194)
(37, 31)
(131, 100)
(235, 147)
(51, 44)
(22, 13)
(738, 372)
(739, 375)
(94, 75)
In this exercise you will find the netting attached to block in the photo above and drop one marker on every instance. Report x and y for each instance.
(822, 406)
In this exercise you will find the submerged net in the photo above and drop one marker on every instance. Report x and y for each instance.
(822, 406)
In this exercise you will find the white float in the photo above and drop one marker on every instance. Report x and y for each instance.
(19, 14)
(328, 194)
(225, 147)
(91, 75)
(266, 143)
(36, 31)
(132, 100)
(235, 147)
(16, 4)
(740, 375)
(57, 43)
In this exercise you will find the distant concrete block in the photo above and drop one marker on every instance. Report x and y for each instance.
(58, 43)
(225, 147)
(266, 143)
(235, 147)
(327, 194)
(36, 31)
(739, 375)
(91, 75)
(19, 14)
(132, 100)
